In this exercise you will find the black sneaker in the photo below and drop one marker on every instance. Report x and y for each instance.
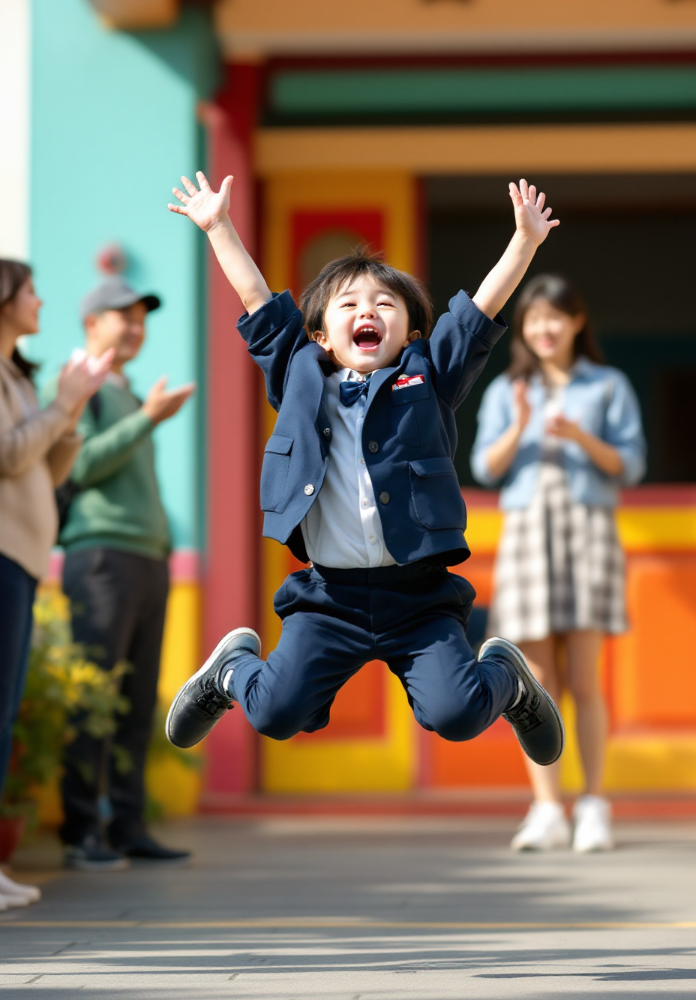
(92, 854)
(536, 720)
(201, 702)
(146, 849)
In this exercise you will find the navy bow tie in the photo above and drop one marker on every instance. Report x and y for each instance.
(351, 391)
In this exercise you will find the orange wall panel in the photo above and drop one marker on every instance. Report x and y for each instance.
(653, 675)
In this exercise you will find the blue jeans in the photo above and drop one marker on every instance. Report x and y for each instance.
(17, 591)
(334, 621)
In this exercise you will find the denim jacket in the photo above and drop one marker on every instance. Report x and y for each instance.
(601, 400)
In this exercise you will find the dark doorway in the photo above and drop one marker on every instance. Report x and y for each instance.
(628, 243)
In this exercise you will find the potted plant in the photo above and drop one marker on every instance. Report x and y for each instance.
(64, 693)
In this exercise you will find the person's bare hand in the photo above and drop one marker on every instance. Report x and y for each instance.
(205, 207)
(80, 379)
(162, 403)
(533, 221)
(560, 427)
(520, 403)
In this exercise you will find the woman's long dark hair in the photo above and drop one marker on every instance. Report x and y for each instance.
(561, 295)
(14, 274)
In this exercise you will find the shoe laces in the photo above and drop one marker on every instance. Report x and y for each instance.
(209, 699)
(524, 716)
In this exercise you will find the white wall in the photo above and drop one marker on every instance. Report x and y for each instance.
(14, 127)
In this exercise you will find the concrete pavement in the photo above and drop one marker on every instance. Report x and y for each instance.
(368, 909)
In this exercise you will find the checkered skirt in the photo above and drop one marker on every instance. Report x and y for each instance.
(559, 567)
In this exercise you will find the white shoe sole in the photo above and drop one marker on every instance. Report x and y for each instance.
(594, 848)
(555, 845)
(528, 678)
(206, 666)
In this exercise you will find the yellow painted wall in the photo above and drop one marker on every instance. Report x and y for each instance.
(641, 529)
(619, 148)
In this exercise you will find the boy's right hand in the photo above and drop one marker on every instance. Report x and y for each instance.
(206, 207)
(162, 403)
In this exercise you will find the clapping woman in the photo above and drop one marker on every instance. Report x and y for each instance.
(559, 433)
(37, 449)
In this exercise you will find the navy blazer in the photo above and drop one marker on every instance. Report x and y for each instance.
(409, 434)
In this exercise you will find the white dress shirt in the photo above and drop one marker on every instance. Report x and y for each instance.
(342, 529)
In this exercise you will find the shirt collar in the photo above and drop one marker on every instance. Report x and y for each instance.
(117, 379)
(344, 374)
(11, 367)
(581, 366)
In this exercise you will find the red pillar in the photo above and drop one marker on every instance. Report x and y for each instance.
(231, 595)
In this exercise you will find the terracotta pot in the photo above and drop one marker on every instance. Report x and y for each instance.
(11, 831)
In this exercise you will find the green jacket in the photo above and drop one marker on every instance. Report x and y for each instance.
(119, 506)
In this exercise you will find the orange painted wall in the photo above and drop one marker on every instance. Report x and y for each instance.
(274, 25)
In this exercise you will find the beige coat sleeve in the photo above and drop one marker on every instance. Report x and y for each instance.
(62, 455)
(27, 441)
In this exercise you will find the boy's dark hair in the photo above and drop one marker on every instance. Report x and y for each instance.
(561, 295)
(14, 274)
(337, 273)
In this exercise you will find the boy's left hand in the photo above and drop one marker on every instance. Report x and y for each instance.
(533, 221)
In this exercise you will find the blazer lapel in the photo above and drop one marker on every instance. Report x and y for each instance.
(378, 380)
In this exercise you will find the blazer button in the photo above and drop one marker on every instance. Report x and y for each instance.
(373, 446)
(384, 497)
(327, 433)
(309, 489)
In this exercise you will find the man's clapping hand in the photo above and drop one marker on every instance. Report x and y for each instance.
(162, 403)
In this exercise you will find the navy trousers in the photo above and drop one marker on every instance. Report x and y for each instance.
(17, 590)
(334, 621)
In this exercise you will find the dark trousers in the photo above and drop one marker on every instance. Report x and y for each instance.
(117, 605)
(334, 621)
(17, 591)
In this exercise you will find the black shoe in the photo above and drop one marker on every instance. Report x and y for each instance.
(201, 702)
(91, 854)
(145, 849)
(536, 720)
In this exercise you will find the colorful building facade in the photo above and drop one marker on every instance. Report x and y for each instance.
(397, 124)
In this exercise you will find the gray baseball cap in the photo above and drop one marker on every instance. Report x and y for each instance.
(114, 293)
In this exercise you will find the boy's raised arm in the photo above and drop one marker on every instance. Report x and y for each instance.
(533, 226)
(210, 211)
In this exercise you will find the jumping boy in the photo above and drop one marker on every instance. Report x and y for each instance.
(358, 478)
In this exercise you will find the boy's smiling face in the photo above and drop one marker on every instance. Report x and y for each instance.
(366, 326)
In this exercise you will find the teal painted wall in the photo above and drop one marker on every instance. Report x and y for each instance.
(113, 126)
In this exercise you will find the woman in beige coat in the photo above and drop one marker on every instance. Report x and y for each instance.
(37, 449)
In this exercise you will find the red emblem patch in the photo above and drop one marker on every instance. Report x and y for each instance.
(406, 380)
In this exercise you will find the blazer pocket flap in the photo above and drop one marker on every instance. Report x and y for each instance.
(279, 445)
(426, 467)
(409, 393)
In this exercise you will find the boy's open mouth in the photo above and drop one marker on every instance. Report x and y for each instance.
(367, 338)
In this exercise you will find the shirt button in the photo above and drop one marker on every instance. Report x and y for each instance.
(366, 503)
(384, 497)
(362, 461)
(309, 489)
(373, 446)
(327, 433)
(372, 538)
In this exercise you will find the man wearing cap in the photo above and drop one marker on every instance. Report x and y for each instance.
(116, 542)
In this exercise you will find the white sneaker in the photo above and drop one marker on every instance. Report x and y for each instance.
(8, 887)
(544, 827)
(8, 902)
(592, 816)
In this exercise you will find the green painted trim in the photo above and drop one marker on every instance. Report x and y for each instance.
(481, 91)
